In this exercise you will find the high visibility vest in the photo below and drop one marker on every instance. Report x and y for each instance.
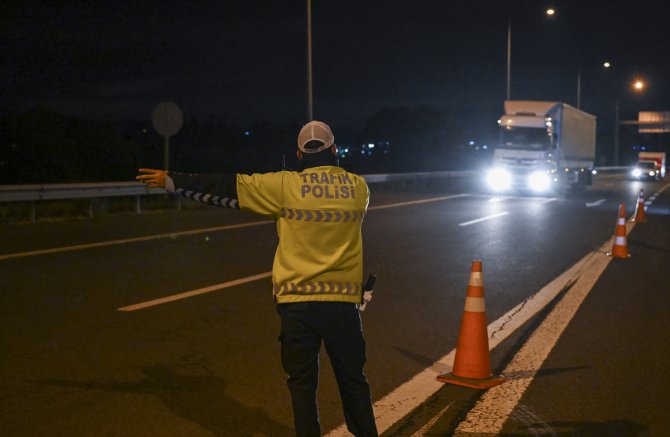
(319, 213)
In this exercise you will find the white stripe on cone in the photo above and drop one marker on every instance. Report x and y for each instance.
(476, 279)
(475, 305)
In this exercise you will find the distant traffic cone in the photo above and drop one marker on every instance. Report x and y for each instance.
(472, 365)
(620, 246)
(640, 216)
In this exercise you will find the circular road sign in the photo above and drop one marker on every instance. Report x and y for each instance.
(167, 119)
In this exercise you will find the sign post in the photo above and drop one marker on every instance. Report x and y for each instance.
(167, 119)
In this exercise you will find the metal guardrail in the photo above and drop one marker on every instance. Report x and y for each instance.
(399, 177)
(26, 193)
(39, 192)
(617, 168)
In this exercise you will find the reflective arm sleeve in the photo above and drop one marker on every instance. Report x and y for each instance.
(218, 189)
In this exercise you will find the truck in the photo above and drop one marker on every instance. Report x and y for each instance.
(650, 165)
(544, 147)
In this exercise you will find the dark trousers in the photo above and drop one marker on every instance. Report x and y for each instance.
(304, 325)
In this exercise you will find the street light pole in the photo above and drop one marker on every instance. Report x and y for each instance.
(310, 99)
(616, 133)
(607, 65)
(509, 55)
(579, 88)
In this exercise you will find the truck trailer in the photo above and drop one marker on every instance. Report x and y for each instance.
(544, 146)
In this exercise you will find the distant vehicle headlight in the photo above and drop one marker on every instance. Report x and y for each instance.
(636, 172)
(499, 179)
(539, 181)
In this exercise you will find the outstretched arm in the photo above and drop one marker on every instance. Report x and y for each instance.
(212, 189)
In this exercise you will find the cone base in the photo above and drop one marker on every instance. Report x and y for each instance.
(618, 256)
(483, 383)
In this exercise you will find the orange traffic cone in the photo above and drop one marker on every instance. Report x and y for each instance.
(472, 365)
(620, 247)
(640, 216)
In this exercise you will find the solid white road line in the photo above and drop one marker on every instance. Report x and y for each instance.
(187, 294)
(488, 217)
(131, 240)
(424, 429)
(411, 394)
(493, 409)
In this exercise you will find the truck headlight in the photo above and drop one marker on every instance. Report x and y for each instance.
(636, 172)
(499, 179)
(539, 181)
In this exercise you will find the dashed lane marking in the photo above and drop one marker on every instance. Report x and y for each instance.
(488, 217)
(190, 232)
(596, 203)
(187, 294)
(416, 202)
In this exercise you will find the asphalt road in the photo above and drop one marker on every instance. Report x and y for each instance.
(73, 364)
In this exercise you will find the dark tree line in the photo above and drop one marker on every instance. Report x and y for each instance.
(421, 139)
(43, 146)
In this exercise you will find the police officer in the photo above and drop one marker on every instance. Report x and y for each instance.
(318, 267)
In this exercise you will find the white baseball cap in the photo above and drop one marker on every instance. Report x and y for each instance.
(315, 131)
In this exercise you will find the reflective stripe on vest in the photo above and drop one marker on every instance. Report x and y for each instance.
(321, 216)
(321, 287)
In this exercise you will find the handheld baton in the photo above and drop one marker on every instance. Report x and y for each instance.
(367, 292)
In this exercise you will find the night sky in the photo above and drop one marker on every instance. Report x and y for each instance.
(247, 59)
